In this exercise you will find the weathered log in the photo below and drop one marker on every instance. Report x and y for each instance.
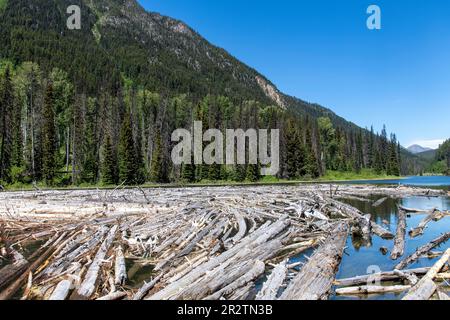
(443, 296)
(270, 288)
(120, 269)
(253, 273)
(12, 271)
(380, 202)
(87, 287)
(146, 288)
(399, 241)
(422, 251)
(370, 290)
(419, 230)
(16, 285)
(315, 280)
(383, 276)
(253, 240)
(62, 290)
(426, 287)
(113, 296)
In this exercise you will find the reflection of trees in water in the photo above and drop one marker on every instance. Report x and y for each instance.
(385, 212)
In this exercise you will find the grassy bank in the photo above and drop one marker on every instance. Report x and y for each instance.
(330, 177)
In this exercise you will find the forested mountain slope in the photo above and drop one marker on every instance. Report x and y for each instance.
(99, 104)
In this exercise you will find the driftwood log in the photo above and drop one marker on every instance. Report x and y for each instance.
(315, 280)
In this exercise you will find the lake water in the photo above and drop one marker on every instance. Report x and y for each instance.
(432, 181)
(360, 260)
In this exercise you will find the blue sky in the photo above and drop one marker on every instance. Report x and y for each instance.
(321, 51)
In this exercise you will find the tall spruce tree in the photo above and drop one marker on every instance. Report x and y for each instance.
(109, 164)
(6, 118)
(49, 138)
(127, 152)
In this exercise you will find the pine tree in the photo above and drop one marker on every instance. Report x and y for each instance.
(188, 173)
(109, 164)
(6, 114)
(253, 172)
(158, 171)
(49, 138)
(127, 156)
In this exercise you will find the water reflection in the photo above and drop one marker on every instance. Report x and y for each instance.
(359, 258)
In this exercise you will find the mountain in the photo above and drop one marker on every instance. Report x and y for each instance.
(416, 149)
(129, 73)
(156, 51)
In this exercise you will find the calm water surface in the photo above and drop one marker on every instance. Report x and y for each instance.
(359, 260)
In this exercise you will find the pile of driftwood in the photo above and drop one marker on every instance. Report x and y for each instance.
(197, 243)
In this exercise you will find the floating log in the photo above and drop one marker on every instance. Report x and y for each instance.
(62, 290)
(380, 202)
(120, 269)
(270, 288)
(383, 276)
(399, 241)
(12, 271)
(433, 215)
(443, 296)
(113, 296)
(16, 285)
(426, 287)
(370, 290)
(256, 270)
(87, 287)
(315, 280)
(422, 251)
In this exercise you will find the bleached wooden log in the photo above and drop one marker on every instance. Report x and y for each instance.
(422, 251)
(383, 276)
(120, 269)
(426, 287)
(315, 280)
(52, 244)
(255, 239)
(419, 230)
(380, 202)
(412, 210)
(11, 271)
(270, 288)
(410, 277)
(62, 290)
(146, 288)
(370, 290)
(113, 296)
(252, 274)
(356, 214)
(242, 228)
(87, 287)
(443, 296)
(399, 241)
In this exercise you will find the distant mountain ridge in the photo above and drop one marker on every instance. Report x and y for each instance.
(416, 149)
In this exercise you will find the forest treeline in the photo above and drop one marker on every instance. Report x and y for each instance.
(441, 163)
(52, 132)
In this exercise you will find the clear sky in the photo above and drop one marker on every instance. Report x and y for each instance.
(321, 51)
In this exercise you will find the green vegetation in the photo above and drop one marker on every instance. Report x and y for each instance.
(441, 161)
(3, 4)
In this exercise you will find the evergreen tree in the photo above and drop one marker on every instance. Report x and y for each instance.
(6, 118)
(49, 138)
(253, 172)
(158, 171)
(109, 165)
(127, 155)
